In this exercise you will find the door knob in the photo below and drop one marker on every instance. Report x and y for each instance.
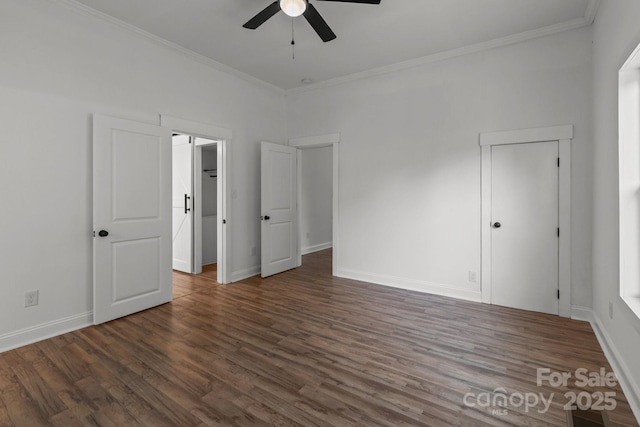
(267, 217)
(103, 233)
(497, 225)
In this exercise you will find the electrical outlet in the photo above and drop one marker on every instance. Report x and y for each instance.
(31, 298)
(472, 276)
(253, 251)
(610, 310)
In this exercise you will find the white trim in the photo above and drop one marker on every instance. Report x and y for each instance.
(245, 273)
(564, 222)
(449, 54)
(315, 141)
(523, 136)
(45, 330)
(411, 284)
(315, 248)
(86, 10)
(592, 11)
(299, 213)
(562, 134)
(630, 388)
(202, 130)
(336, 208)
(223, 138)
(628, 177)
(585, 21)
(196, 208)
(485, 225)
(581, 313)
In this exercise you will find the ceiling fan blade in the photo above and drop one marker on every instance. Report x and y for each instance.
(262, 17)
(318, 23)
(356, 1)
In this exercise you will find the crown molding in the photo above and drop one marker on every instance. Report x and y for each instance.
(587, 20)
(592, 11)
(86, 10)
(454, 53)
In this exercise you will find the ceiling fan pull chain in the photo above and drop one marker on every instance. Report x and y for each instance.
(293, 43)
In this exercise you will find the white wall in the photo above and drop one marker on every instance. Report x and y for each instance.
(59, 67)
(616, 33)
(316, 204)
(409, 199)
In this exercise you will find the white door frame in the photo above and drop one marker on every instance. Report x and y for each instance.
(564, 135)
(318, 141)
(199, 143)
(223, 138)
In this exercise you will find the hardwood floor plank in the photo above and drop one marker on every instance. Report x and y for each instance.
(301, 348)
(21, 409)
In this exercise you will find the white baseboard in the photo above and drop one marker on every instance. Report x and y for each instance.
(45, 330)
(627, 383)
(236, 276)
(412, 285)
(316, 248)
(581, 313)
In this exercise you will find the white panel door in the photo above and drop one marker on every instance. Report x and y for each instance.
(524, 236)
(131, 217)
(279, 209)
(182, 179)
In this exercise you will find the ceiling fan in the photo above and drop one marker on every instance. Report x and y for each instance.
(295, 8)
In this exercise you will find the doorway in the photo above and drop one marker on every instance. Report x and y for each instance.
(315, 198)
(208, 187)
(330, 174)
(195, 203)
(205, 230)
(560, 137)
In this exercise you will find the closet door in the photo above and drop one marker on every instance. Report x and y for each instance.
(182, 184)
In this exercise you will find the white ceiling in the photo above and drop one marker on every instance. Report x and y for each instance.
(369, 36)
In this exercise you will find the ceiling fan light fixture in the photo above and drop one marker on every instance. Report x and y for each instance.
(293, 8)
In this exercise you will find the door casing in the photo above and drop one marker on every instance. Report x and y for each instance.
(564, 135)
(199, 143)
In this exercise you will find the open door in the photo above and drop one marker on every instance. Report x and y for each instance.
(131, 217)
(279, 209)
(182, 182)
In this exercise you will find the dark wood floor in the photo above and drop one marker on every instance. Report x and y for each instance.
(300, 348)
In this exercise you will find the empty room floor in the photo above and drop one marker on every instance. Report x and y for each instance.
(305, 348)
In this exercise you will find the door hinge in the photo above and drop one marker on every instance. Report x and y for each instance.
(558, 161)
(558, 293)
(224, 221)
(94, 233)
(558, 231)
